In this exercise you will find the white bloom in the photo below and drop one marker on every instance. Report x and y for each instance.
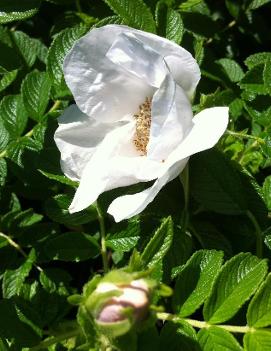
(132, 121)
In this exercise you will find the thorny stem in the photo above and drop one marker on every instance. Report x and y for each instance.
(200, 324)
(245, 136)
(53, 340)
(18, 248)
(102, 233)
(258, 233)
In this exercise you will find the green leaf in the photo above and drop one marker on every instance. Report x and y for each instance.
(169, 22)
(176, 337)
(255, 4)
(59, 178)
(60, 46)
(3, 171)
(36, 91)
(124, 236)
(258, 340)
(57, 209)
(12, 327)
(215, 338)
(55, 280)
(135, 13)
(267, 191)
(195, 281)
(258, 58)
(216, 184)
(72, 246)
(237, 281)
(232, 69)
(16, 10)
(7, 79)
(26, 47)
(13, 279)
(159, 244)
(16, 148)
(259, 309)
(13, 114)
(253, 81)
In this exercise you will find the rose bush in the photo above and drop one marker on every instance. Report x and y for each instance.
(132, 121)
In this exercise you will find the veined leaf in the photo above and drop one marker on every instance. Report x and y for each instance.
(135, 13)
(195, 281)
(17, 10)
(232, 69)
(7, 79)
(124, 237)
(259, 309)
(259, 340)
(257, 59)
(35, 91)
(237, 281)
(215, 338)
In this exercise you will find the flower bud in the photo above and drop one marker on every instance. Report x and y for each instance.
(116, 307)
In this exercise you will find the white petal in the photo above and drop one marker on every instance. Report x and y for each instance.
(128, 206)
(209, 125)
(103, 90)
(77, 138)
(114, 164)
(138, 59)
(171, 119)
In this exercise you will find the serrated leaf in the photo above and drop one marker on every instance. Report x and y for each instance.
(175, 337)
(17, 10)
(256, 59)
(109, 20)
(259, 309)
(169, 22)
(255, 4)
(36, 91)
(237, 281)
(16, 148)
(55, 280)
(232, 69)
(59, 178)
(7, 79)
(13, 114)
(195, 281)
(60, 46)
(3, 171)
(13, 279)
(57, 209)
(124, 236)
(135, 13)
(216, 184)
(215, 338)
(159, 244)
(72, 246)
(258, 340)
(12, 327)
(253, 81)
(267, 191)
(26, 47)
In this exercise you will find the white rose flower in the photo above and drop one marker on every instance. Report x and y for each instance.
(132, 121)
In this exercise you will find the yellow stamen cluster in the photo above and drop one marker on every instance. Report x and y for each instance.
(143, 124)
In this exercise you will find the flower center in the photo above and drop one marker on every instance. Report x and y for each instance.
(143, 124)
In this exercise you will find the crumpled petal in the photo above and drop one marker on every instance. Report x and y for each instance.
(77, 138)
(107, 91)
(209, 125)
(114, 164)
(171, 119)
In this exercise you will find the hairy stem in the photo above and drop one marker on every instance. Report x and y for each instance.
(201, 324)
(102, 233)
(245, 136)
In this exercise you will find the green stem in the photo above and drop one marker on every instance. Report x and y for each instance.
(54, 340)
(200, 324)
(55, 106)
(184, 177)
(18, 248)
(245, 136)
(258, 233)
(103, 234)
(78, 6)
